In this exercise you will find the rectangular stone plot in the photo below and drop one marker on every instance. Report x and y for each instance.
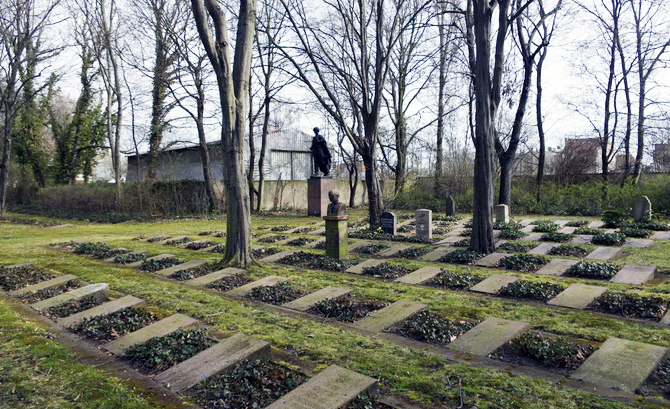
(620, 364)
(596, 225)
(103, 309)
(582, 239)
(328, 293)
(456, 232)
(212, 361)
(532, 237)
(358, 268)
(60, 281)
(317, 242)
(171, 239)
(567, 230)
(543, 249)
(317, 232)
(526, 222)
(99, 291)
(491, 260)
(605, 253)
(556, 267)
(562, 222)
(493, 284)
(577, 296)
(387, 316)
(661, 235)
(215, 276)
(263, 282)
(528, 229)
(332, 388)
(638, 243)
(20, 265)
(634, 275)
(488, 336)
(436, 254)
(166, 272)
(158, 329)
(278, 256)
(392, 250)
(158, 257)
(419, 276)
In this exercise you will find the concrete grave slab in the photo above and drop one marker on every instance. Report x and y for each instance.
(437, 254)
(666, 319)
(133, 253)
(358, 244)
(556, 267)
(488, 336)
(455, 232)
(491, 260)
(166, 272)
(212, 361)
(200, 241)
(102, 309)
(493, 284)
(660, 235)
(358, 268)
(20, 265)
(328, 293)
(257, 247)
(528, 228)
(567, 230)
(158, 329)
(386, 317)
(419, 276)
(316, 242)
(278, 256)
(451, 240)
(215, 276)
(268, 281)
(577, 296)
(137, 264)
(59, 281)
(634, 275)
(165, 242)
(605, 253)
(389, 252)
(98, 290)
(526, 222)
(317, 232)
(638, 243)
(532, 237)
(596, 225)
(582, 239)
(620, 364)
(543, 249)
(331, 388)
(562, 223)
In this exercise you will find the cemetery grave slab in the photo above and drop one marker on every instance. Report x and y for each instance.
(661, 235)
(317, 232)
(103, 309)
(528, 228)
(357, 244)
(605, 253)
(59, 281)
(317, 242)
(381, 319)
(577, 296)
(166, 272)
(392, 250)
(263, 282)
(455, 232)
(328, 293)
(620, 364)
(157, 329)
(596, 225)
(488, 336)
(275, 257)
(493, 284)
(532, 237)
(212, 361)
(567, 230)
(638, 243)
(556, 267)
(436, 254)
(158, 257)
(543, 249)
(215, 276)
(358, 268)
(419, 276)
(171, 239)
(582, 239)
(450, 240)
(331, 388)
(20, 265)
(526, 222)
(634, 275)
(562, 222)
(491, 260)
(98, 291)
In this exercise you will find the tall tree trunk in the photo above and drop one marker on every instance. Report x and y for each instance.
(6, 154)
(375, 199)
(401, 153)
(540, 127)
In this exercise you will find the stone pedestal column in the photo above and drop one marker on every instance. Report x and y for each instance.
(337, 239)
(317, 195)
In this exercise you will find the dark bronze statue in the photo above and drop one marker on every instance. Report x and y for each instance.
(335, 208)
(320, 154)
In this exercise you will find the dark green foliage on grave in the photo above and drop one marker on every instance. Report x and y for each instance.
(513, 248)
(72, 307)
(608, 239)
(160, 353)
(650, 225)
(556, 237)
(283, 227)
(157, 239)
(367, 400)
(661, 376)
(461, 256)
(635, 232)
(248, 385)
(381, 235)
(200, 245)
(176, 242)
(371, 248)
(466, 233)
(301, 241)
(550, 352)
(30, 222)
(221, 249)
(446, 218)
(546, 227)
(586, 230)
(314, 261)
(630, 305)
(592, 269)
(462, 243)
(469, 224)
(260, 253)
(155, 265)
(386, 271)
(510, 234)
(523, 262)
(453, 281)
(304, 230)
(273, 239)
(129, 258)
(405, 228)
(230, 282)
(531, 290)
(88, 248)
(345, 309)
(500, 225)
(614, 219)
(277, 294)
(115, 325)
(413, 252)
(321, 245)
(191, 273)
(439, 231)
(432, 328)
(15, 278)
(577, 223)
(205, 233)
(568, 251)
(49, 292)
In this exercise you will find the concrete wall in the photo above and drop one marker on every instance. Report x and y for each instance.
(281, 195)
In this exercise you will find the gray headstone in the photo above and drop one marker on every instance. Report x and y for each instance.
(424, 224)
(451, 206)
(381, 319)
(437, 254)
(556, 267)
(491, 260)
(268, 281)
(543, 249)
(104, 309)
(389, 223)
(605, 253)
(99, 291)
(358, 268)
(488, 336)
(642, 209)
(328, 293)
(502, 213)
(493, 284)
(638, 243)
(420, 275)
(634, 275)
(577, 296)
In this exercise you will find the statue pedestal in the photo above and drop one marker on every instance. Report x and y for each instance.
(317, 195)
(337, 238)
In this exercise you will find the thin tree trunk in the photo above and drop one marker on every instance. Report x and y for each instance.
(540, 127)
(4, 165)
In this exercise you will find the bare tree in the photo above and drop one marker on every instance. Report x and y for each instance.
(233, 93)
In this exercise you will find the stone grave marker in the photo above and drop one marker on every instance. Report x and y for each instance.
(389, 223)
(383, 318)
(556, 267)
(278, 256)
(20, 265)
(582, 239)
(437, 254)
(491, 260)
(358, 268)
(605, 253)
(455, 232)
(526, 222)
(331, 388)
(337, 236)
(268, 281)
(389, 252)
(638, 243)
(562, 223)
(528, 228)
(99, 291)
(567, 230)
(543, 249)
(620, 364)
(166, 272)
(328, 293)
(661, 235)
(596, 225)
(642, 209)
(532, 237)
(158, 329)
(488, 336)
(451, 240)
(215, 276)
(102, 309)
(419, 276)
(634, 275)
(502, 213)
(424, 224)
(577, 296)
(451, 206)
(59, 281)
(493, 284)
(137, 264)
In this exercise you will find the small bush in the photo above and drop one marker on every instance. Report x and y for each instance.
(514, 248)
(314, 261)
(592, 269)
(568, 251)
(510, 234)
(371, 248)
(277, 294)
(72, 307)
(546, 227)
(608, 239)
(462, 243)
(635, 232)
(199, 246)
(630, 305)
(551, 352)
(160, 264)
(283, 227)
(614, 219)
(88, 248)
(453, 281)
(273, 239)
(500, 225)
(176, 242)
(522, 262)
(413, 252)
(129, 258)
(191, 273)
(461, 256)
(577, 223)
(531, 290)
(386, 271)
(114, 325)
(650, 225)
(160, 353)
(429, 327)
(381, 235)
(14, 278)
(230, 282)
(556, 237)
(299, 242)
(586, 230)
(346, 309)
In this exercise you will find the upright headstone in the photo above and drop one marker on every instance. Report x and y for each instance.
(317, 195)
(642, 209)
(424, 224)
(451, 206)
(389, 223)
(337, 239)
(502, 213)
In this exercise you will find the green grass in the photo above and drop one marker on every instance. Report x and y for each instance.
(417, 374)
